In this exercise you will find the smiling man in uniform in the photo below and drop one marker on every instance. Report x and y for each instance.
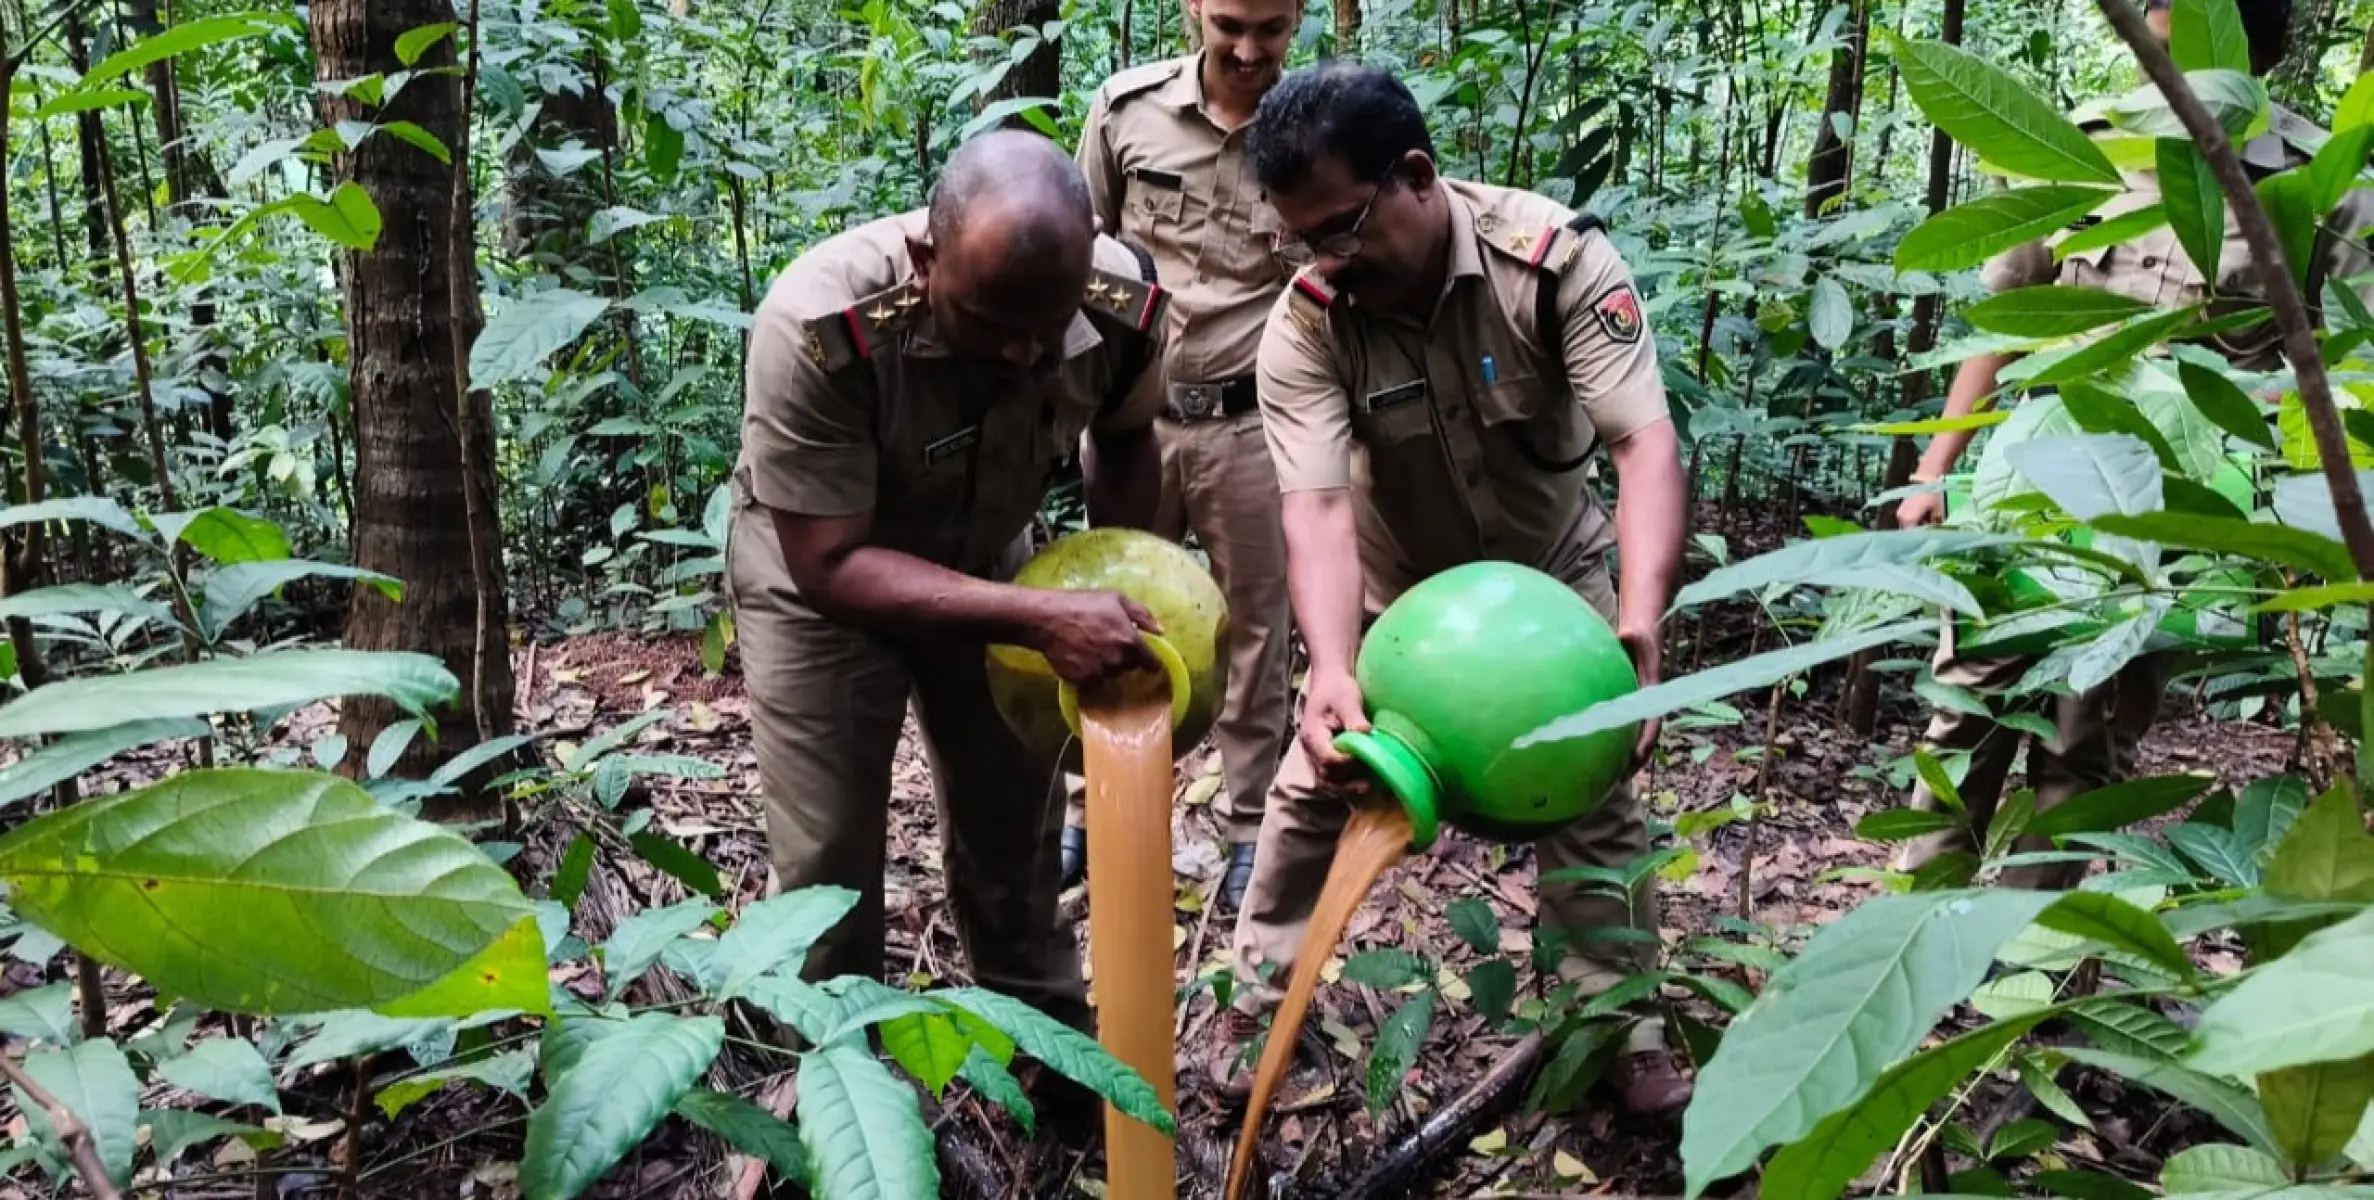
(1164, 153)
(1432, 389)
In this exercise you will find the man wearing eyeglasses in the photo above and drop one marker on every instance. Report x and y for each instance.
(1164, 154)
(1432, 389)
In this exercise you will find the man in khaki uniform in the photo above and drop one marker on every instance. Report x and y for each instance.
(1164, 154)
(1432, 389)
(2096, 732)
(911, 383)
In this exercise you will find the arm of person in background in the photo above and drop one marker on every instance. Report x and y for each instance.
(1974, 381)
(1100, 162)
(1307, 417)
(813, 456)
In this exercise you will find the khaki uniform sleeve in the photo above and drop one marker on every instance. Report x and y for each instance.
(809, 434)
(2029, 264)
(1611, 357)
(1305, 412)
(1144, 402)
(1098, 161)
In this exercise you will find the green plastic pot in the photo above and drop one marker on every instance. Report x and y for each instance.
(1044, 711)
(1458, 669)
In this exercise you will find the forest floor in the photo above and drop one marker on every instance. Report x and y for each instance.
(1822, 779)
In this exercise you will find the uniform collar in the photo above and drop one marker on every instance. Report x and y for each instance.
(1185, 89)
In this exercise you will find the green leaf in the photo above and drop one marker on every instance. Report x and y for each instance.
(2100, 917)
(2225, 1103)
(1390, 968)
(1476, 924)
(1573, 1068)
(388, 747)
(638, 940)
(220, 887)
(863, 1132)
(1492, 989)
(2257, 908)
(2196, 209)
(928, 1045)
(356, 1032)
(1866, 989)
(226, 535)
(1072, 1054)
(2205, 35)
(2317, 598)
(626, 21)
(2314, 1109)
(525, 332)
(2326, 854)
(2315, 1004)
(182, 38)
(612, 1097)
(1903, 824)
(1970, 421)
(2113, 350)
(2119, 805)
(2010, 821)
(2118, 230)
(663, 147)
(1886, 560)
(98, 510)
(1983, 107)
(93, 1081)
(231, 591)
(2225, 405)
(576, 867)
(2221, 1168)
(2022, 1139)
(2122, 1028)
(778, 931)
(1396, 1050)
(66, 758)
(509, 1071)
(2097, 410)
(678, 863)
(1703, 687)
(173, 1130)
(228, 1069)
(2216, 851)
(2236, 99)
(88, 100)
(748, 1128)
(1967, 235)
(1832, 318)
(2091, 474)
(412, 43)
(419, 139)
(279, 679)
(2038, 1077)
(511, 973)
(998, 1085)
(45, 1013)
(349, 217)
(2223, 535)
(2052, 311)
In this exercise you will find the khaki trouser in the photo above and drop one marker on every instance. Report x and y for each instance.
(1298, 841)
(2093, 746)
(826, 707)
(1218, 480)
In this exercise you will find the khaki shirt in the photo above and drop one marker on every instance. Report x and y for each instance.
(2155, 269)
(1166, 177)
(1464, 438)
(852, 405)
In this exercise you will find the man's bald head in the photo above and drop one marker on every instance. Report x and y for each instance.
(1012, 239)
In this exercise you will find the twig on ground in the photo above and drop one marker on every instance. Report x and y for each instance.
(72, 1133)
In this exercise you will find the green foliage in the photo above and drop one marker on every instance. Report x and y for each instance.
(282, 678)
(93, 1081)
(612, 1095)
(859, 1128)
(1396, 1050)
(1983, 107)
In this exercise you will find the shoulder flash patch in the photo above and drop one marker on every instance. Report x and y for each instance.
(836, 340)
(1618, 311)
(1137, 302)
(1313, 290)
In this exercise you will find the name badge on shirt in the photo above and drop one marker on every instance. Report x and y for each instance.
(1394, 397)
(955, 443)
(1156, 177)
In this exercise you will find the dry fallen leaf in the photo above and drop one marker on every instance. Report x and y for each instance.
(1567, 1166)
(1490, 1143)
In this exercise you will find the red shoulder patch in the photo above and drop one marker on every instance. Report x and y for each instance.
(1618, 310)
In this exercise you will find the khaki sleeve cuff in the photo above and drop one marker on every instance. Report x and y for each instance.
(1305, 412)
(810, 481)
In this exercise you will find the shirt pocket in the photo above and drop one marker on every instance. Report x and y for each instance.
(1156, 208)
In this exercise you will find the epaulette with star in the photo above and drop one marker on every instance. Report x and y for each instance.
(1137, 303)
(1552, 247)
(851, 335)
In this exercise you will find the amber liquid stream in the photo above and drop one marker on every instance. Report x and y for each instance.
(1374, 839)
(1126, 750)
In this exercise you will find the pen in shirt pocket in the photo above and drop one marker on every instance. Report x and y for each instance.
(1491, 371)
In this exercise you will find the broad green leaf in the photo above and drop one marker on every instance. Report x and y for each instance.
(1573, 1068)
(182, 38)
(2305, 502)
(862, 1129)
(2216, 851)
(928, 1045)
(610, 222)
(228, 1069)
(2196, 209)
(173, 1130)
(1966, 235)
(2298, 440)
(1492, 989)
(2052, 311)
(2235, 99)
(388, 747)
(98, 510)
(2009, 996)
(1864, 992)
(74, 598)
(348, 217)
(2314, 1109)
(778, 931)
(610, 739)
(279, 679)
(1832, 315)
(419, 139)
(2119, 805)
(525, 332)
(511, 973)
(2221, 1168)
(2223, 535)
(1395, 1051)
(260, 891)
(2010, 821)
(2256, 908)
(2226, 405)
(2113, 349)
(2091, 474)
(1072, 1054)
(1983, 107)
(412, 43)
(569, 878)
(1389, 968)
(231, 591)
(748, 1128)
(2038, 1075)
(356, 1032)
(2104, 918)
(2205, 35)
(612, 1097)
(2291, 208)
(2228, 1105)
(1903, 824)
(1704, 687)
(679, 863)
(2123, 228)
(663, 147)
(1976, 420)
(226, 535)
(638, 940)
(45, 1013)
(79, 100)
(2326, 854)
(996, 1084)
(2097, 410)
(509, 1071)
(93, 1081)
(66, 758)
(2107, 655)
(564, 1043)
(1476, 924)
(2020, 1139)
(2125, 1029)
(2315, 1004)
(859, 1002)
(1887, 560)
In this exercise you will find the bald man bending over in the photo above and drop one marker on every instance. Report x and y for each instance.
(911, 383)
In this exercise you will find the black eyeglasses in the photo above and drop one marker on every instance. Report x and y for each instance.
(1301, 251)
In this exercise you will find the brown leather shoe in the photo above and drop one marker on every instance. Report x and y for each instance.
(1227, 1064)
(1651, 1083)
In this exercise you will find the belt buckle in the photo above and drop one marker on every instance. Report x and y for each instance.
(1198, 403)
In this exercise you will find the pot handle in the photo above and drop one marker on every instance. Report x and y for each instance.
(1174, 668)
(1404, 772)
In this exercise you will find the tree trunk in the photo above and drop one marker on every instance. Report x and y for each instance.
(1347, 28)
(90, 137)
(1827, 171)
(1039, 74)
(412, 517)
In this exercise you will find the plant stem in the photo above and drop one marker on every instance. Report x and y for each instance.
(72, 1133)
(460, 275)
(2275, 277)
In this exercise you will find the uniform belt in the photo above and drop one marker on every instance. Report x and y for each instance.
(1212, 401)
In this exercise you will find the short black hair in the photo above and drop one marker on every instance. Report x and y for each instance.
(1360, 115)
(2268, 25)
